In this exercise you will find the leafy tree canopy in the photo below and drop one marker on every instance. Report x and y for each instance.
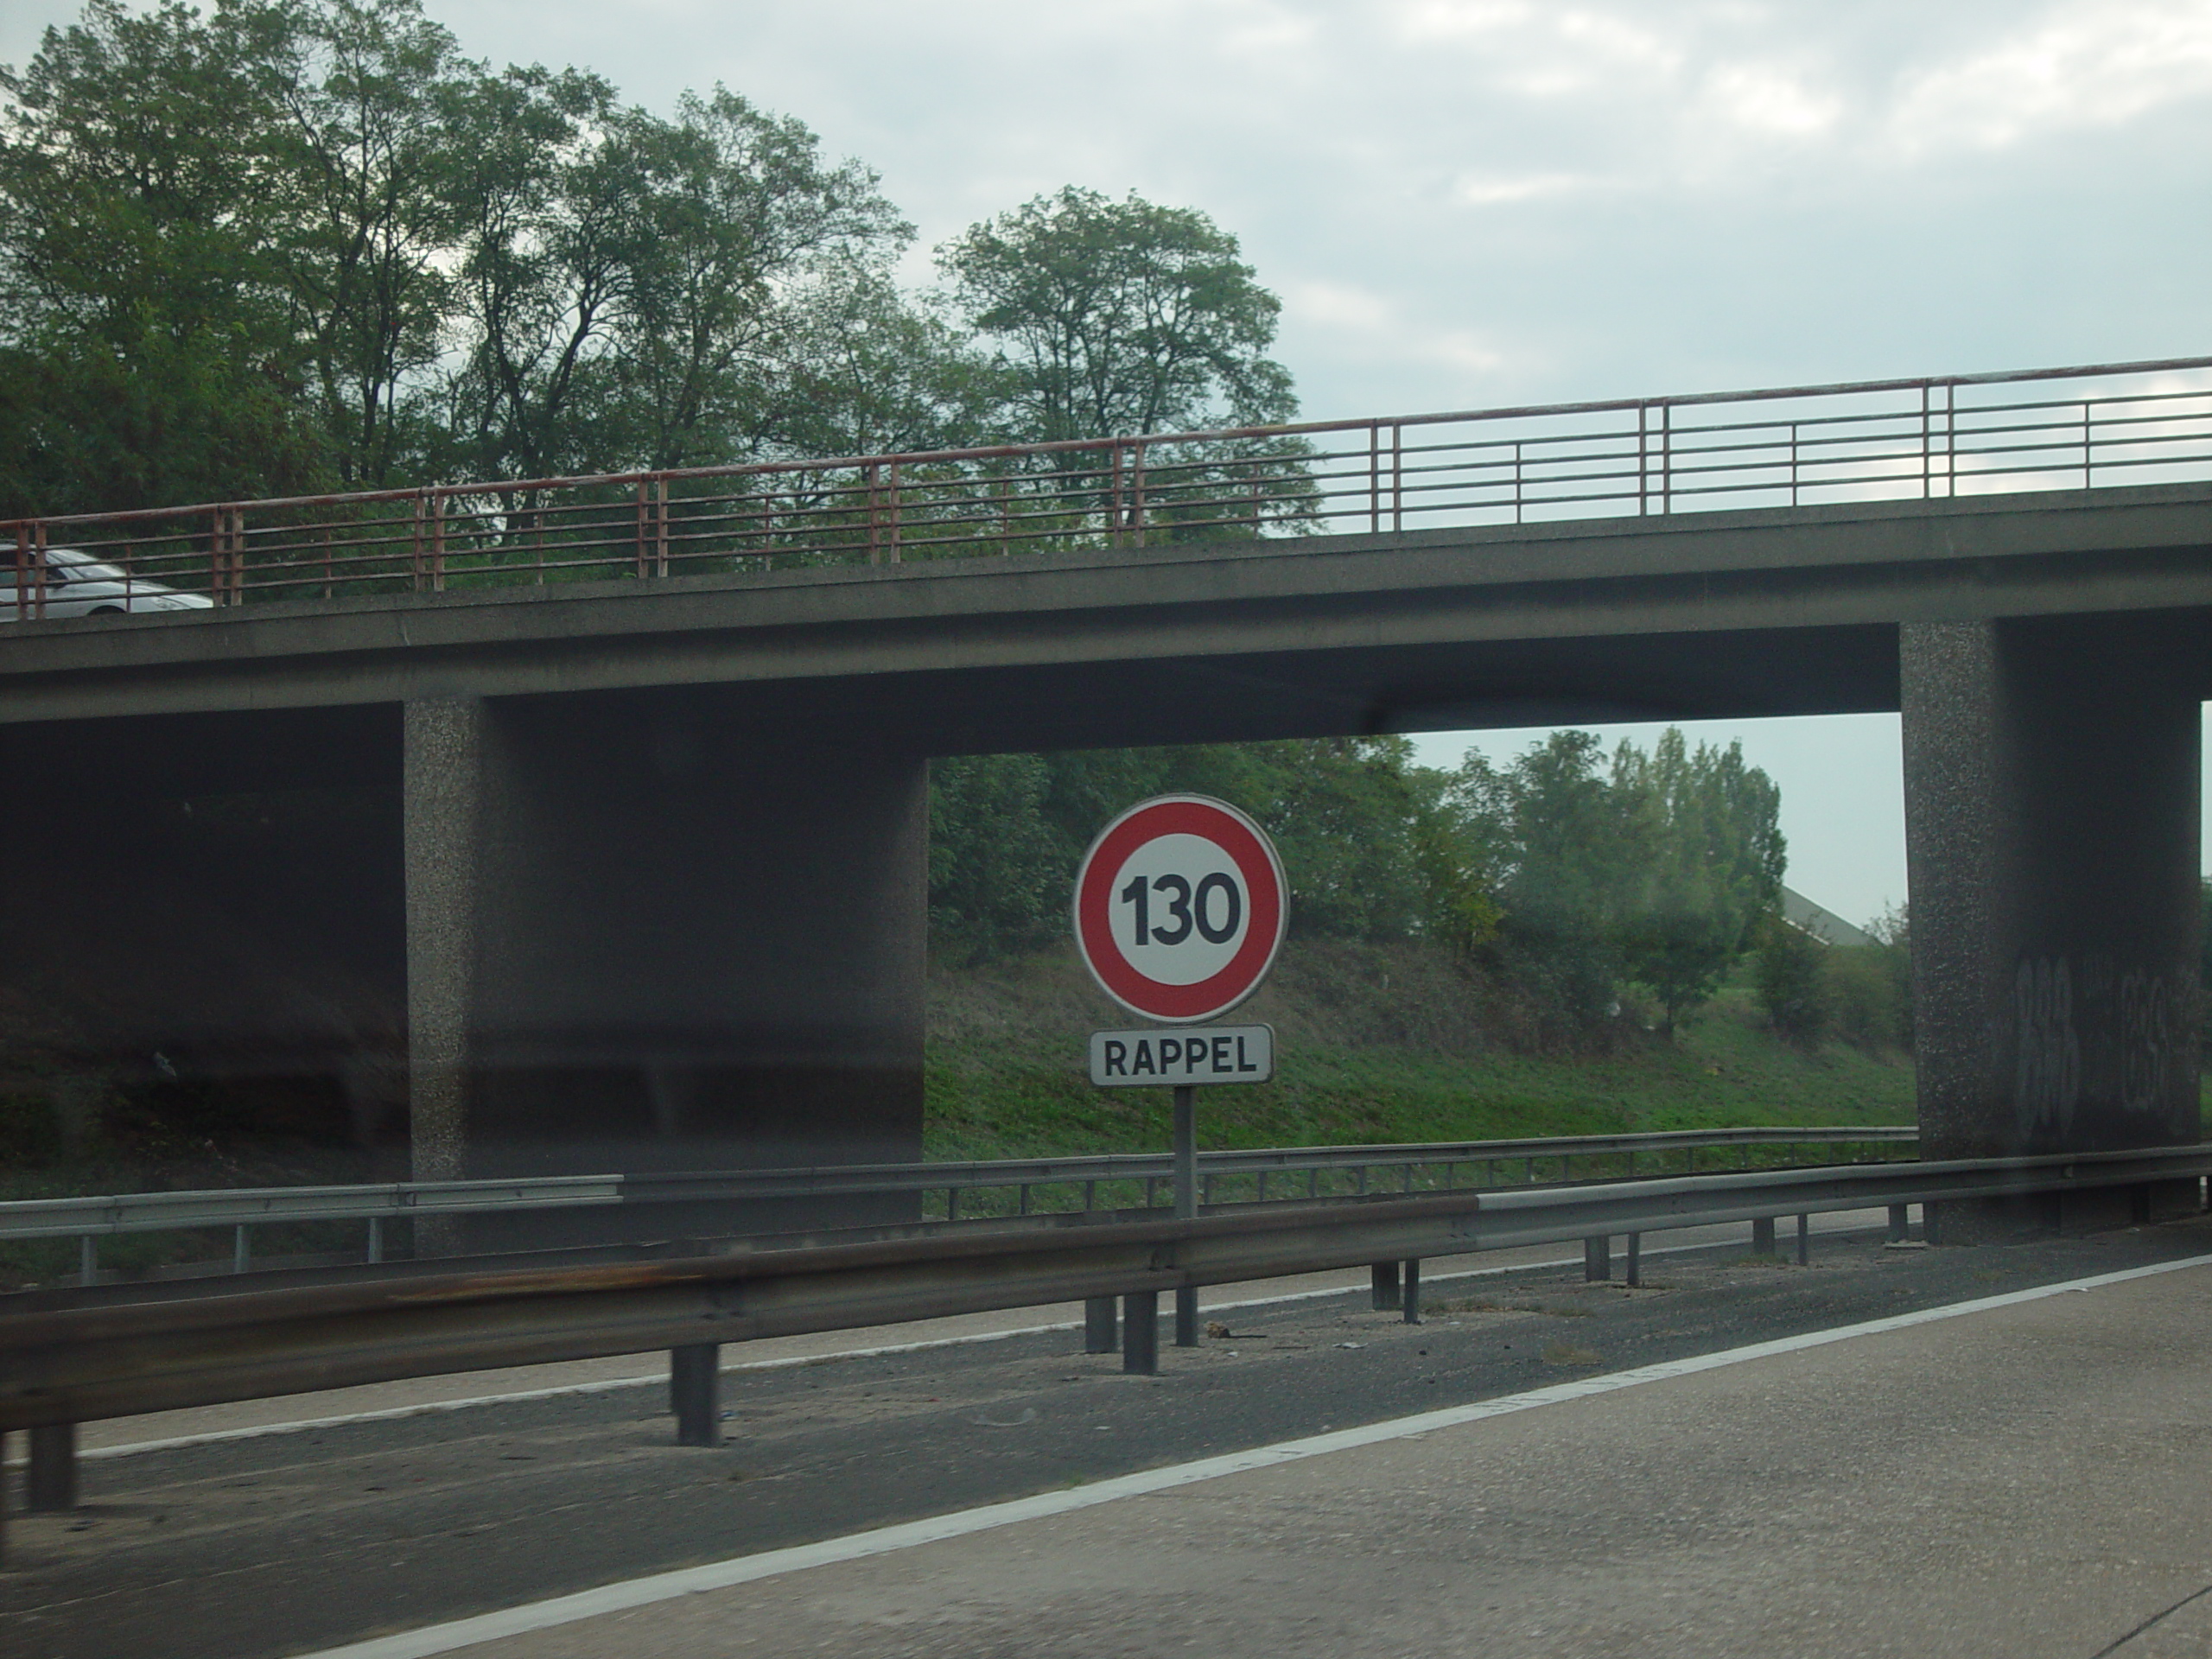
(282, 245)
(1119, 317)
(326, 249)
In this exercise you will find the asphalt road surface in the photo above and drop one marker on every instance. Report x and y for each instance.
(289, 1543)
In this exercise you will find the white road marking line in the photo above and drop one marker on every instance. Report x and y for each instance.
(387, 1414)
(747, 1569)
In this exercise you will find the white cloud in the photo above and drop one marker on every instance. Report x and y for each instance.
(1369, 324)
(1467, 350)
(1337, 305)
(1610, 34)
(1542, 54)
(2087, 63)
(1448, 20)
(1280, 32)
(1495, 192)
(1769, 101)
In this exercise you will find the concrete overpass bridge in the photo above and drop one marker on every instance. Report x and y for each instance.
(639, 763)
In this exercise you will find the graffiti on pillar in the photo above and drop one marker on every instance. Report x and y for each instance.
(2047, 1078)
(2147, 1045)
(2090, 1036)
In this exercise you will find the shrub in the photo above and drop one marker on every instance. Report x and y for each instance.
(1791, 976)
(1866, 997)
(30, 1132)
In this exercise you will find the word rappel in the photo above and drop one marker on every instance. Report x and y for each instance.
(1217, 1054)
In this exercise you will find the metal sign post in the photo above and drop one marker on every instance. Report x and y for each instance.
(1179, 909)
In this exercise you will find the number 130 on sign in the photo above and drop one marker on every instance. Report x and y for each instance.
(1180, 908)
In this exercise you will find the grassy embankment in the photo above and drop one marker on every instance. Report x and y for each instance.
(1375, 1044)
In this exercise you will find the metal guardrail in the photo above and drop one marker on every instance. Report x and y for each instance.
(88, 1219)
(1936, 437)
(78, 1365)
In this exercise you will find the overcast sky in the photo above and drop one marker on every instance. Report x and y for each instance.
(1473, 202)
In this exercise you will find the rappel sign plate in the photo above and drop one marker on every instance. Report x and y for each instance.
(1180, 908)
(1130, 1059)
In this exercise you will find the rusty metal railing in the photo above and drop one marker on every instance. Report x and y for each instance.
(1918, 439)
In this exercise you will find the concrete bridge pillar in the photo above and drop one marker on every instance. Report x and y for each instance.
(2051, 809)
(643, 938)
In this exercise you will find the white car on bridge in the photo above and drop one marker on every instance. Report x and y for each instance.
(77, 584)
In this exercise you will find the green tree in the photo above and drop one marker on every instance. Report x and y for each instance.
(1563, 878)
(147, 348)
(143, 413)
(1791, 982)
(999, 868)
(541, 221)
(1871, 998)
(358, 156)
(1574, 876)
(295, 243)
(856, 368)
(246, 207)
(1708, 857)
(1348, 816)
(744, 229)
(633, 288)
(1119, 317)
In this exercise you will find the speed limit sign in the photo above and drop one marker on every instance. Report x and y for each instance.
(1180, 907)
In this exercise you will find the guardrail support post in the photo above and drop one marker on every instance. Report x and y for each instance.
(695, 1372)
(1804, 1241)
(1635, 1275)
(1099, 1335)
(1899, 1223)
(1140, 1332)
(1763, 1235)
(1384, 1275)
(53, 1481)
(1187, 1199)
(1598, 1259)
(1412, 1294)
(241, 1249)
(88, 1259)
(376, 1238)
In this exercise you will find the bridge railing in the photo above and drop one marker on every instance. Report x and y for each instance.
(1918, 439)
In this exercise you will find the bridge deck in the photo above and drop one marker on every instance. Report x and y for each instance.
(1763, 612)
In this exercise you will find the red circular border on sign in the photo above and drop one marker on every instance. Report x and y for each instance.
(1235, 835)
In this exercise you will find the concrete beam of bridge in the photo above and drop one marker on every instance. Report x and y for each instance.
(1781, 611)
(644, 862)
